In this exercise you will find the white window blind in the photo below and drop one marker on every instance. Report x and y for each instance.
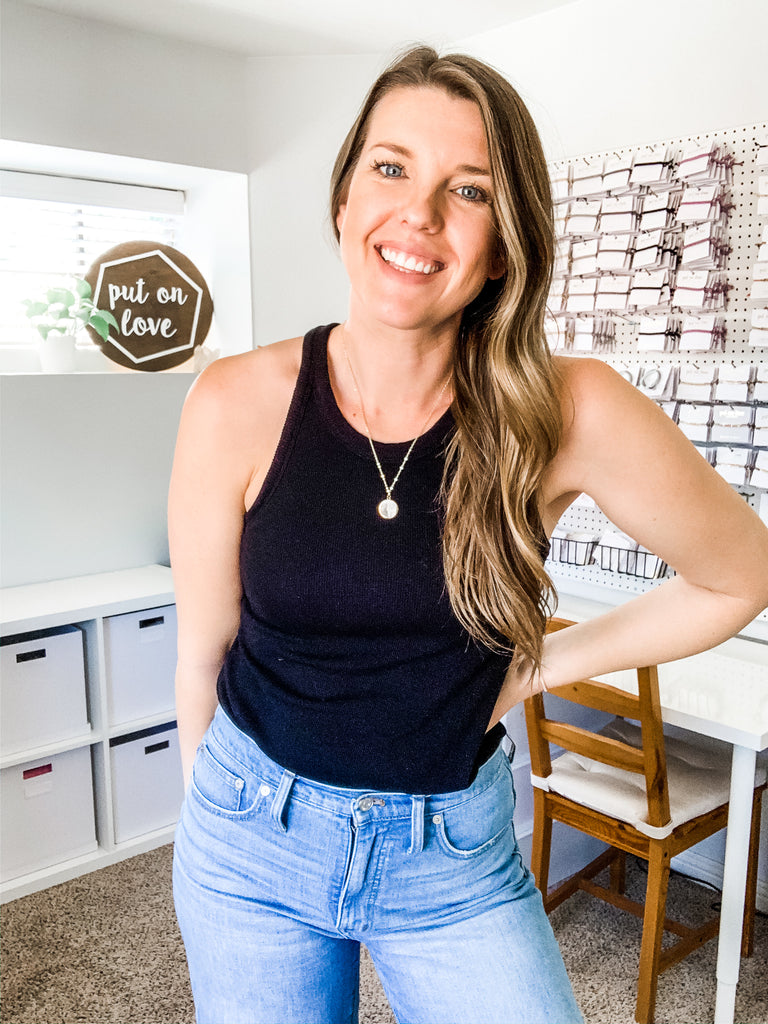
(53, 228)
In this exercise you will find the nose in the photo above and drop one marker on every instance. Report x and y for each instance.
(422, 210)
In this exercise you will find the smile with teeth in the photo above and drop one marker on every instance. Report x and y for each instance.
(402, 261)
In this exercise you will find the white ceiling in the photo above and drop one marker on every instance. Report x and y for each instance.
(284, 27)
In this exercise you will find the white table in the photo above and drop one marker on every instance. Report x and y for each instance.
(724, 694)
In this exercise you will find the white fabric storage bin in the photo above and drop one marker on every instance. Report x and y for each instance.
(42, 688)
(147, 781)
(48, 814)
(140, 650)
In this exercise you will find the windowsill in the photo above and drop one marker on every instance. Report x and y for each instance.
(95, 373)
(26, 361)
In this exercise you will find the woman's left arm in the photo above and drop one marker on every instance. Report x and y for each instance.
(647, 477)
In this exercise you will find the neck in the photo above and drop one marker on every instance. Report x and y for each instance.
(398, 381)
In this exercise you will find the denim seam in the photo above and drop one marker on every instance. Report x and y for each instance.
(248, 769)
(454, 851)
(234, 816)
(228, 777)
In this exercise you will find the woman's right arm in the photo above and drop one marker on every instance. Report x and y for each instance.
(211, 471)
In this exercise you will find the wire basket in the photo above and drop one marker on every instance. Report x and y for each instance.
(632, 563)
(574, 552)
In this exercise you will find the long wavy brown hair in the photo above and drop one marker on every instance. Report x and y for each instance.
(506, 407)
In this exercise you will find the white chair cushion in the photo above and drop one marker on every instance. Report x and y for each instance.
(699, 780)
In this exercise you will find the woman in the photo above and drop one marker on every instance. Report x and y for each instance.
(358, 523)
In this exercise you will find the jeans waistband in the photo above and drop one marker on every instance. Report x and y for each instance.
(286, 785)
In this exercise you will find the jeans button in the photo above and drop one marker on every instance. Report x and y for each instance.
(365, 804)
(437, 818)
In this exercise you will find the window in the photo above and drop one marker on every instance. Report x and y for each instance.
(54, 227)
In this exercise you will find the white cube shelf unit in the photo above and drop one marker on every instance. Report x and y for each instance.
(122, 723)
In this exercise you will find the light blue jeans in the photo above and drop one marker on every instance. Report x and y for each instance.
(278, 879)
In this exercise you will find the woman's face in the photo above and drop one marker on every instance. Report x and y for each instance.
(417, 227)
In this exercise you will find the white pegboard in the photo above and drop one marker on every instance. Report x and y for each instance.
(744, 230)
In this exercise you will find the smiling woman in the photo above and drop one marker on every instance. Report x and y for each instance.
(370, 596)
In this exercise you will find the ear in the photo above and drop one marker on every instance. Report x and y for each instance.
(340, 216)
(498, 267)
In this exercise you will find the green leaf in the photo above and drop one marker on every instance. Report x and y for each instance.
(82, 288)
(106, 316)
(101, 322)
(44, 330)
(35, 308)
(63, 295)
(101, 328)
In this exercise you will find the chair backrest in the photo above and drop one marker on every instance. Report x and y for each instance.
(644, 707)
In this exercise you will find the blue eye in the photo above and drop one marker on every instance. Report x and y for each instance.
(387, 169)
(472, 193)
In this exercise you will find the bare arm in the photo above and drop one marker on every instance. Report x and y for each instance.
(623, 451)
(205, 509)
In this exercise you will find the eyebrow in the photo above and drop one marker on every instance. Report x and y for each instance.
(394, 147)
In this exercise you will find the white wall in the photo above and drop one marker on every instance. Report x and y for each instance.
(300, 111)
(84, 469)
(81, 84)
(602, 73)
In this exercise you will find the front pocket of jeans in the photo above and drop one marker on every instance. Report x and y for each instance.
(444, 838)
(220, 787)
(476, 825)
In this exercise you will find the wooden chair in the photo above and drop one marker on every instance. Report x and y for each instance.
(643, 796)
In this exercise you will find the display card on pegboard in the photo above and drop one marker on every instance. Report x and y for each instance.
(160, 301)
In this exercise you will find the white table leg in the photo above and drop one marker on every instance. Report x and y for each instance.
(734, 881)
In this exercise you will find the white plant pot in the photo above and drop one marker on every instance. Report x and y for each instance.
(57, 353)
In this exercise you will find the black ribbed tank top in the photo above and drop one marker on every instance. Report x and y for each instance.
(349, 666)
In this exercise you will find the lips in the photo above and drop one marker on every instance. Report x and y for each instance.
(408, 263)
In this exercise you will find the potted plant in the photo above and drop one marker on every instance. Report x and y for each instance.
(60, 317)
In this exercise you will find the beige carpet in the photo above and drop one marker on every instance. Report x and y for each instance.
(105, 948)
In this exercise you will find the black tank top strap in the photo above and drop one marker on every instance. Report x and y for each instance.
(313, 354)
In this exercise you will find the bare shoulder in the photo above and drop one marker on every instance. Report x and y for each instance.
(253, 384)
(606, 422)
(599, 406)
(234, 415)
(588, 389)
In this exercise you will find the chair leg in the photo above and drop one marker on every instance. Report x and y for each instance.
(541, 842)
(748, 934)
(653, 930)
(618, 872)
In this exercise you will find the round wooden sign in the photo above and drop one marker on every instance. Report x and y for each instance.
(160, 300)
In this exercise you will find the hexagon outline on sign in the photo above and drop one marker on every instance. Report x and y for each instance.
(198, 291)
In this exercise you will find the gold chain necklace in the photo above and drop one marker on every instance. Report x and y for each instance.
(388, 507)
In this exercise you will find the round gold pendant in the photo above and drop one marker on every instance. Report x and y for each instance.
(388, 508)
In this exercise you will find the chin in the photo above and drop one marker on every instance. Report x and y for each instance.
(402, 318)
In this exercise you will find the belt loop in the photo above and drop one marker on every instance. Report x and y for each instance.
(417, 824)
(281, 799)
